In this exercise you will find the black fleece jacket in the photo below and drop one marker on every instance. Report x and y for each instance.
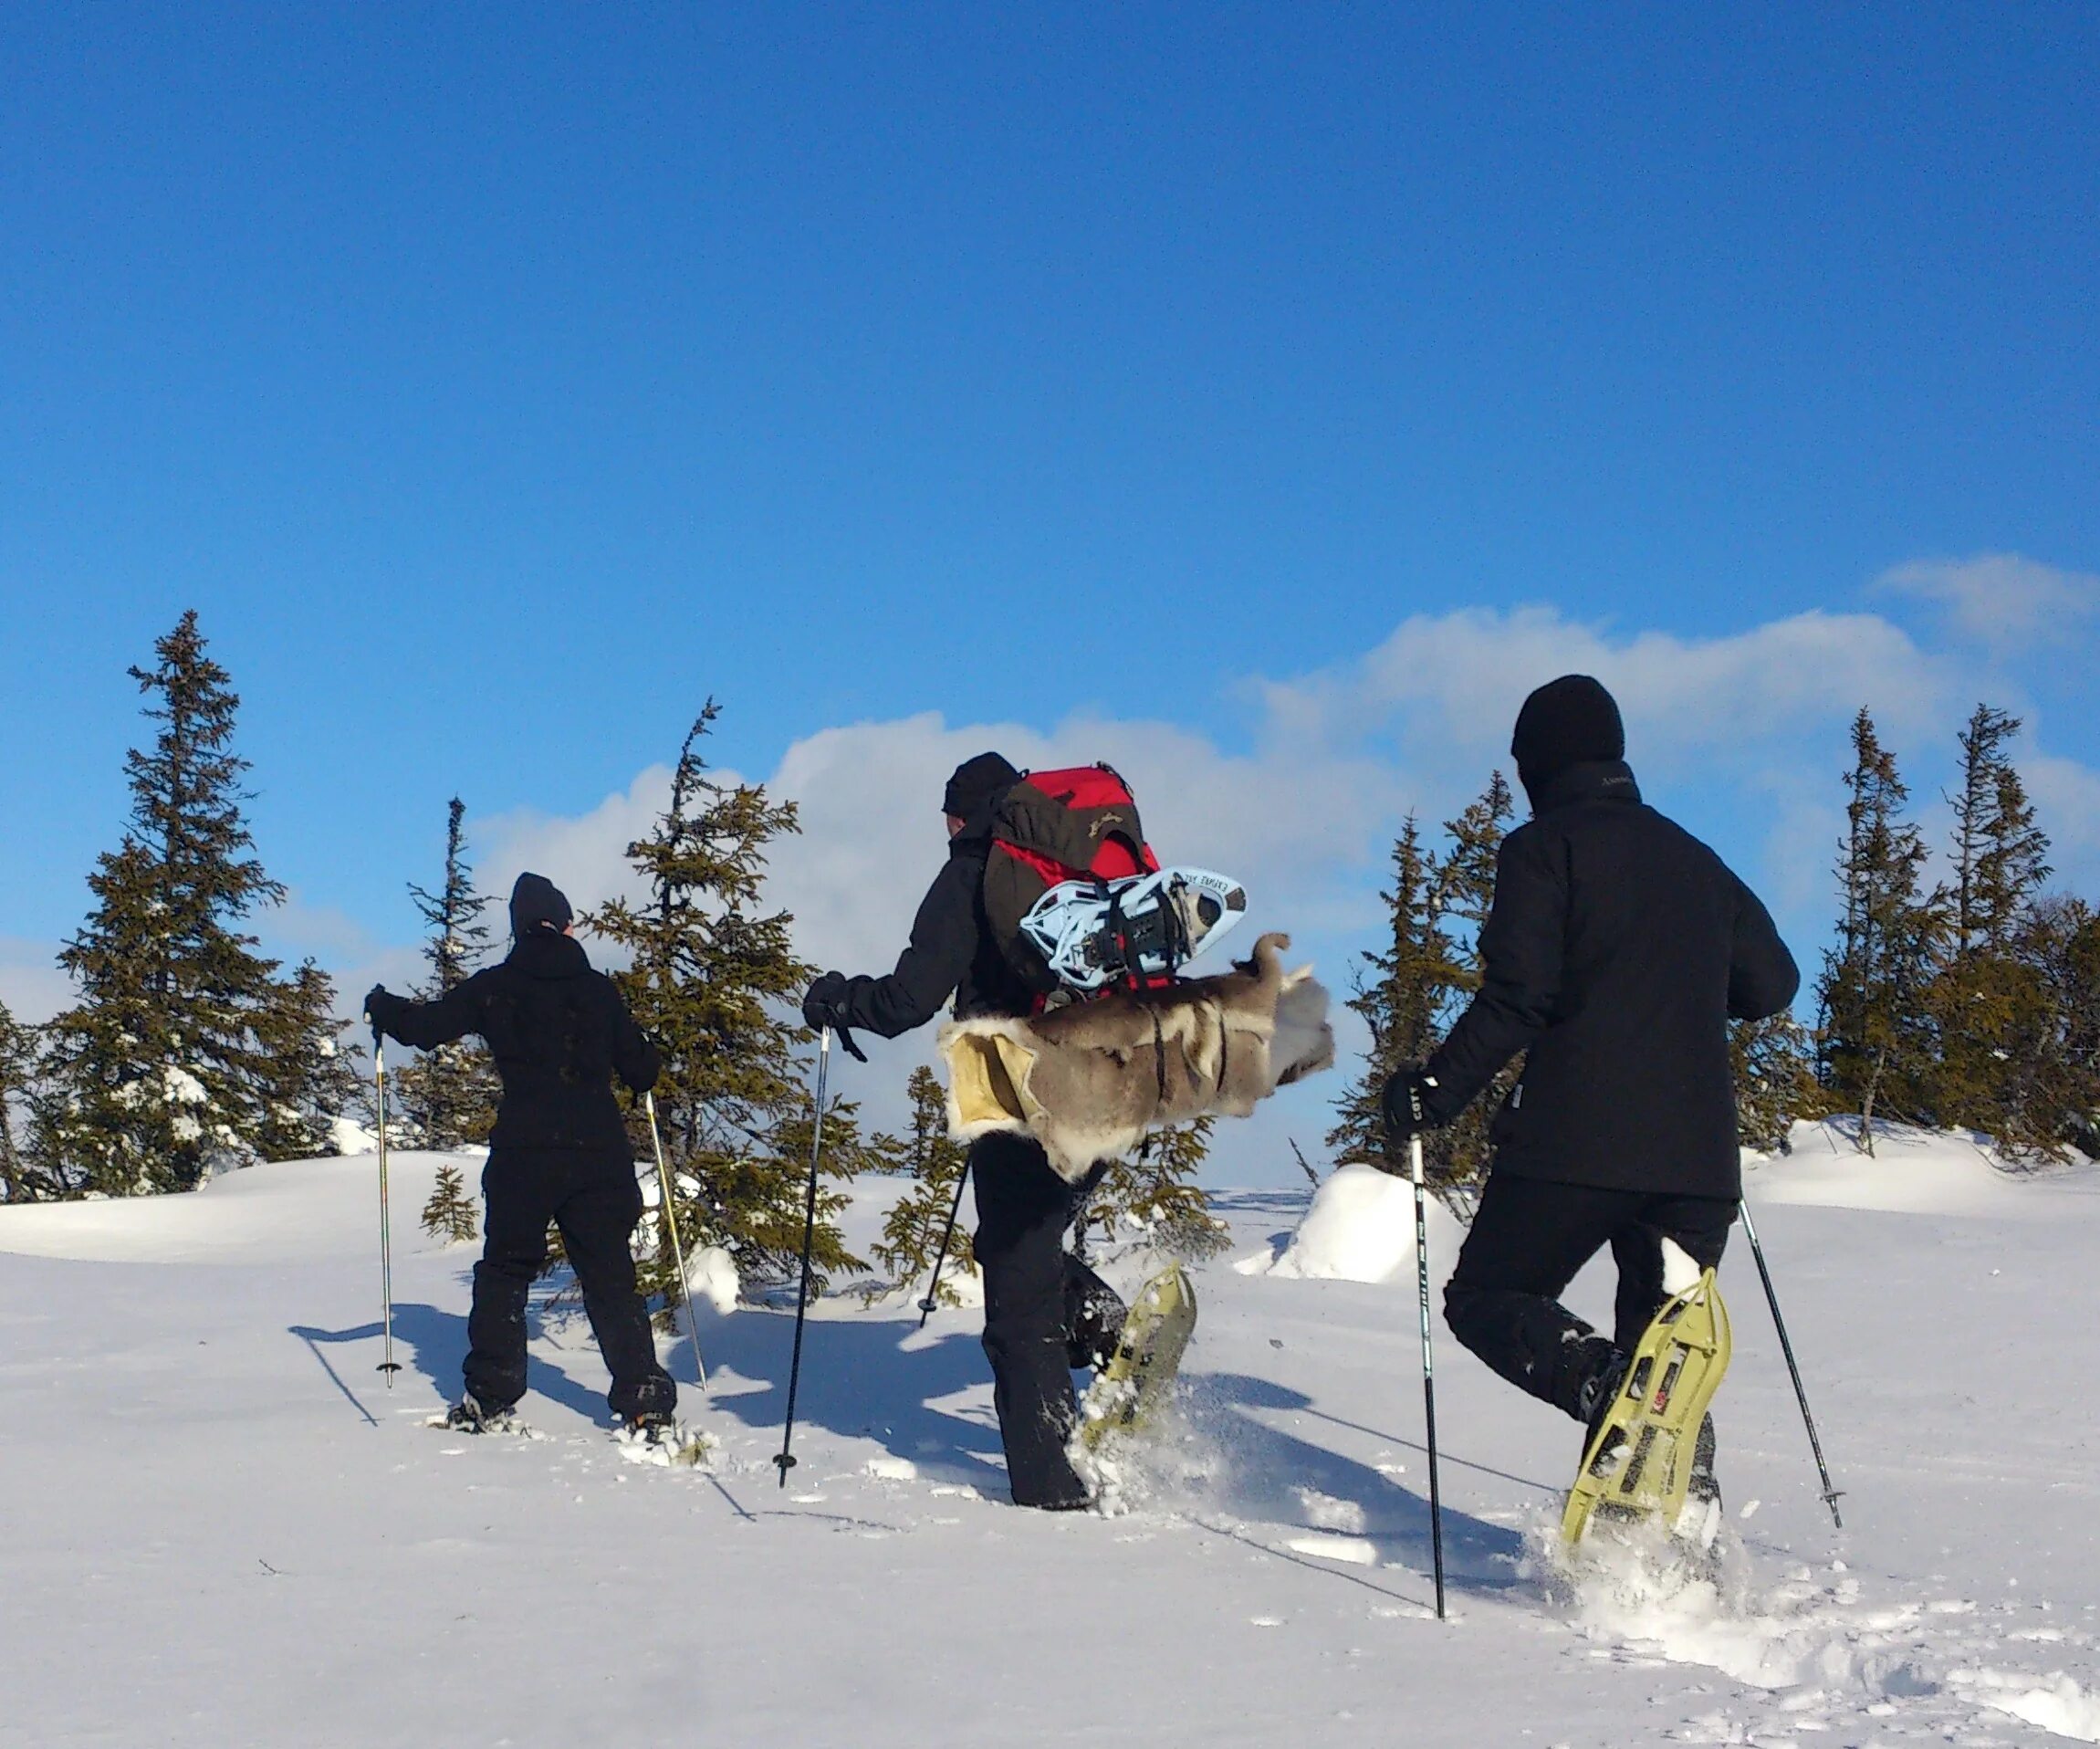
(951, 948)
(1618, 949)
(559, 1033)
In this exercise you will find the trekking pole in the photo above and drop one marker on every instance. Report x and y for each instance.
(1428, 1366)
(671, 1226)
(387, 1366)
(785, 1460)
(933, 1285)
(1830, 1495)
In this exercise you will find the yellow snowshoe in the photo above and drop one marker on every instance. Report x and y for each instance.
(1128, 1391)
(1638, 1461)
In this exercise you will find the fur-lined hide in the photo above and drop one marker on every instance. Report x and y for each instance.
(1089, 1081)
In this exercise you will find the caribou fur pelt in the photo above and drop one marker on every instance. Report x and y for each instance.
(1089, 1081)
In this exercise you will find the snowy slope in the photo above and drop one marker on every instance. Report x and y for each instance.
(221, 1527)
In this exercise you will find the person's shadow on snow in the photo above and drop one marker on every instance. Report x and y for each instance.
(1265, 1470)
(859, 1380)
(432, 1342)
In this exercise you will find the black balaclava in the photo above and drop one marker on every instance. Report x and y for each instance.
(977, 782)
(1567, 722)
(536, 903)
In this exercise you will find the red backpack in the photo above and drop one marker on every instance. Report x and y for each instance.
(1078, 824)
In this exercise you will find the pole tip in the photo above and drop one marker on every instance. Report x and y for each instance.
(784, 1462)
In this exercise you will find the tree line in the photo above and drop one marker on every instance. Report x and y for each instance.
(187, 1053)
(1972, 1001)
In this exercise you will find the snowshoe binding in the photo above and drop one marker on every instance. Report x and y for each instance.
(1642, 1457)
(1133, 931)
(654, 1435)
(1130, 1392)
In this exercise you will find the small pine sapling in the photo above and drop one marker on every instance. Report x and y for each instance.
(451, 1214)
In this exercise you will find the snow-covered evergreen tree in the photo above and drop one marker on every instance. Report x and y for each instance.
(448, 1095)
(712, 979)
(187, 1050)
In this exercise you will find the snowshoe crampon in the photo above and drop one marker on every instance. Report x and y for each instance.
(1129, 1391)
(467, 1416)
(1638, 1461)
(1094, 934)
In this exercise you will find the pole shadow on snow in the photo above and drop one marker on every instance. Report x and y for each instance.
(1265, 1468)
(858, 1381)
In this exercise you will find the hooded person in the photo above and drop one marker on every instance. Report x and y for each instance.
(1618, 949)
(559, 1033)
(1045, 1312)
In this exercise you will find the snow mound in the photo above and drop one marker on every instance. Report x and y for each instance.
(712, 1278)
(291, 1210)
(2057, 1704)
(1361, 1228)
(1946, 1172)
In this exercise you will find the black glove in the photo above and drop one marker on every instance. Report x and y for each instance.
(380, 1005)
(825, 1002)
(1407, 1106)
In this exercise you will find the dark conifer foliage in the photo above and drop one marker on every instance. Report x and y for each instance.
(448, 1095)
(911, 1231)
(1152, 1198)
(714, 978)
(1773, 1063)
(1411, 991)
(187, 1051)
(1878, 1051)
(23, 1179)
(453, 1213)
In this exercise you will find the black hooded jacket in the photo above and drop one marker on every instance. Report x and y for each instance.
(951, 948)
(1618, 949)
(559, 1033)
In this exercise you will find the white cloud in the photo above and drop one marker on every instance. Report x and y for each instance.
(30, 981)
(2001, 598)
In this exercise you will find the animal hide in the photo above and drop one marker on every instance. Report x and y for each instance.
(1088, 1081)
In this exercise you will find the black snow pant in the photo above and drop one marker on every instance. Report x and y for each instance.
(1033, 1293)
(594, 1200)
(1527, 1243)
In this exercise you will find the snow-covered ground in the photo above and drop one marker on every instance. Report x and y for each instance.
(221, 1527)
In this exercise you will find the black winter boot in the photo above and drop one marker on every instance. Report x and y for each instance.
(1094, 1317)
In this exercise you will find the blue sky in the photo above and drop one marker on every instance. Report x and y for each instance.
(499, 382)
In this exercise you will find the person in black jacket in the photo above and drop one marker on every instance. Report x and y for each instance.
(559, 1033)
(1045, 1311)
(1617, 950)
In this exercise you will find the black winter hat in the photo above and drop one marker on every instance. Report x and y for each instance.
(1569, 721)
(535, 902)
(976, 783)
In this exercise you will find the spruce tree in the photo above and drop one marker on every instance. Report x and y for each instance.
(187, 1051)
(1400, 993)
(2057, 1086)
(452, 1213)
(1458, 1156)
(449, 1095)
(912, 1229)
(1878, 1051)
(713, 979)
(1412, 992)
(1153, 1198)
(1773, 1065)
(23, 1177)
(1990, 1000)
